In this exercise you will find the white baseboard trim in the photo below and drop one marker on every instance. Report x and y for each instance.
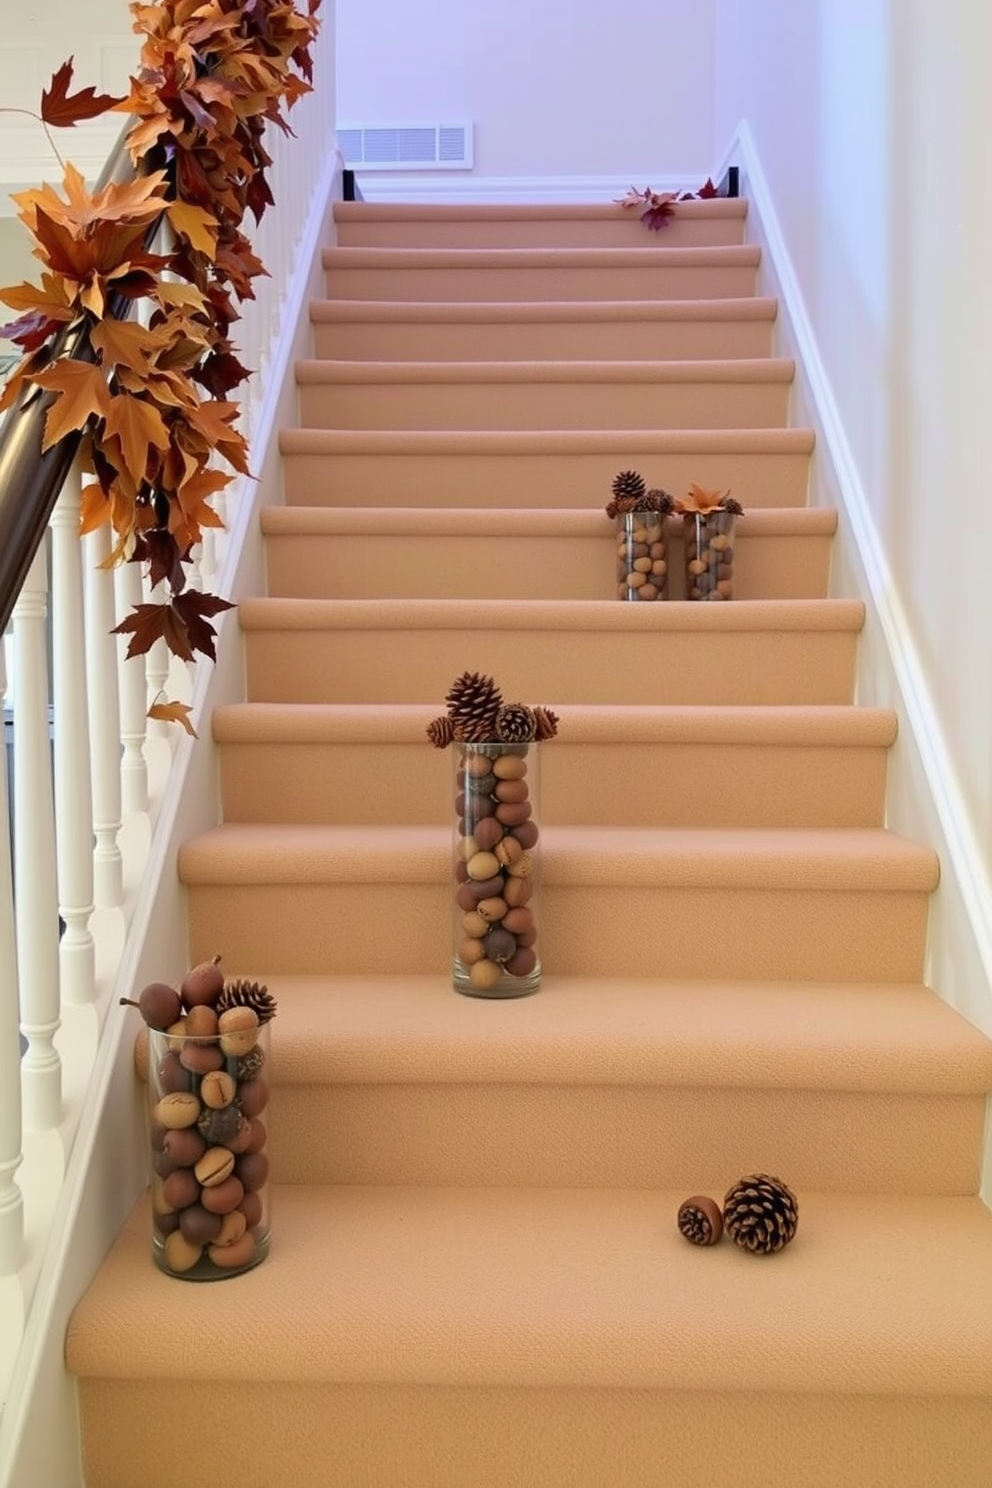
(443, 186)
(963, 872)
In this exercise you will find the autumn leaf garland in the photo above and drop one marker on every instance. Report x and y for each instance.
(150, 398)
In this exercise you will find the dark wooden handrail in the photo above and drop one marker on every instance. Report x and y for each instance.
(30, 481)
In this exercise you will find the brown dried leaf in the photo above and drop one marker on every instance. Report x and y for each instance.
(174, 713)
(64, 110)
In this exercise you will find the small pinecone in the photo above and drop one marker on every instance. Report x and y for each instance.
(249, 1065)
(516, 724)
(473, 702)
(730, 504)
(546, 724)
(628, 483)
(441, 731)
(660, 501)
(248, 994)
(760, 1214)
(621, 505)
(700, 1220)
(220, 1127)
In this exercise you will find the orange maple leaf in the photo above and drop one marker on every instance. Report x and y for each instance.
(83, 395)
(197, 225)
(94, 509)
(697, 499)
(139, 426)
(174, 713)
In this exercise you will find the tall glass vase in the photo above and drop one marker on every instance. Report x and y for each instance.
(709, 554)
(642, 556)
(496, 863)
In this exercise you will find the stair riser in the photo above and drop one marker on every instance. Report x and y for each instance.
(607, 929)
(544, 341)
(309, 1431)
(376, 566)
(366, 666)
(544, 405)
(553, 1136)
(561, 282)
(627, 231)
(582, 784)
(527, 480)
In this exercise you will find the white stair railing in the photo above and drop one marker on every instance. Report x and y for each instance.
(91, 774)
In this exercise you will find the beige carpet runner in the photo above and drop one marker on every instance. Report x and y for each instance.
(476, 1279)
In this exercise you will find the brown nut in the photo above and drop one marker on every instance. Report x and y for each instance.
(228, 1257)
(238, 1031)
(217, 1089)
(216, 1164)
(177, 1109)
(180, 1254)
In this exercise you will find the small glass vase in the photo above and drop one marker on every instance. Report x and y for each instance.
(642, 556)
(208, 1133)
(496, 869)
(709, 554)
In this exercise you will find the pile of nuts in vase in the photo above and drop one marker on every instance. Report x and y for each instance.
(708, 520)
(207, 1055)
(496, 835)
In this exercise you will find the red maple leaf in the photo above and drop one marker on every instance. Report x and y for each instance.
(60, 108)
(193, 607)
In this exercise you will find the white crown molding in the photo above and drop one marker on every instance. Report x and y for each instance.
(408, 186)
(964, 872)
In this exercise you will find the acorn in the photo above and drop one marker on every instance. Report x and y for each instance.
(202, 984)
(158, 1004)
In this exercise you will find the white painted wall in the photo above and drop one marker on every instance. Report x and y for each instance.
(553, 89)
(872, 120)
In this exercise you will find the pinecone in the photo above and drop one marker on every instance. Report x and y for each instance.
(660, 501)
(220, 1127)
(516, 724)
(247, 994)
(441, 731)
(700, 1220)
(249, 1065)
(730, 504)
(760, 1214)
(546, 723)
(473, 702)
(628, 483)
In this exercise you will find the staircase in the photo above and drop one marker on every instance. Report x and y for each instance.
(476, 1279)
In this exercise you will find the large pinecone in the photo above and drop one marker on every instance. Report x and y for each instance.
(760, 1213)
(516, 724)
(546, 722)
(473, 702)
(628, 483)
(248, 994)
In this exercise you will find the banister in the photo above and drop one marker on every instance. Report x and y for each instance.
(30, 479)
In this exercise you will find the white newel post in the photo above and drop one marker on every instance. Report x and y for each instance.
(36, 913)
(133, 701)
(11, 1202)
(104, 720)
(73, 796)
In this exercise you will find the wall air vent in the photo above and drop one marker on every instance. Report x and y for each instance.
(390, 147)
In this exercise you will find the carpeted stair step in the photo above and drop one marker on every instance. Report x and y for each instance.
(810, 904)
(626, 766)
(439, 274)
(573, 651)
(566, 467)
(583, 330)
(327, 552)
(549, 225)
(631, 1083)
(742, 394)
(432, 1335)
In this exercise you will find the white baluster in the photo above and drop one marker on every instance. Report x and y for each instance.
(104, 719)
(11, 1202)
(73, 795)
(133, 702)
(157, 672)
(35, 912)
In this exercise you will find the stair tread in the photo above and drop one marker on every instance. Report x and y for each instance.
(626, 443)
(796, 858)
(328, 371)
(494, 521)
(367, 211)
(721, 256)
(731, 307)
(621, 1031)
(379, 1285)
(575, 616)
(836, 724)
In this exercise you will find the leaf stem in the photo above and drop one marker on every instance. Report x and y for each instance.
(30, 114)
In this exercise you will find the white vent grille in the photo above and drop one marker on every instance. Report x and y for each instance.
(406, 146)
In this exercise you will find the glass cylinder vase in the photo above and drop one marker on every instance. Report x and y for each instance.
(208, 1132)
(496, 869)
(642, 556)
(709, 554)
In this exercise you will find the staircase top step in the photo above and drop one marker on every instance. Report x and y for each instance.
(723, 256)
(625, 443)
(804, 858)
(575, 616)
(478, 1286)
(323, 371)
(618, 1031)
(404, 723)
(751, 307)
(711, 207)
(529, 522)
